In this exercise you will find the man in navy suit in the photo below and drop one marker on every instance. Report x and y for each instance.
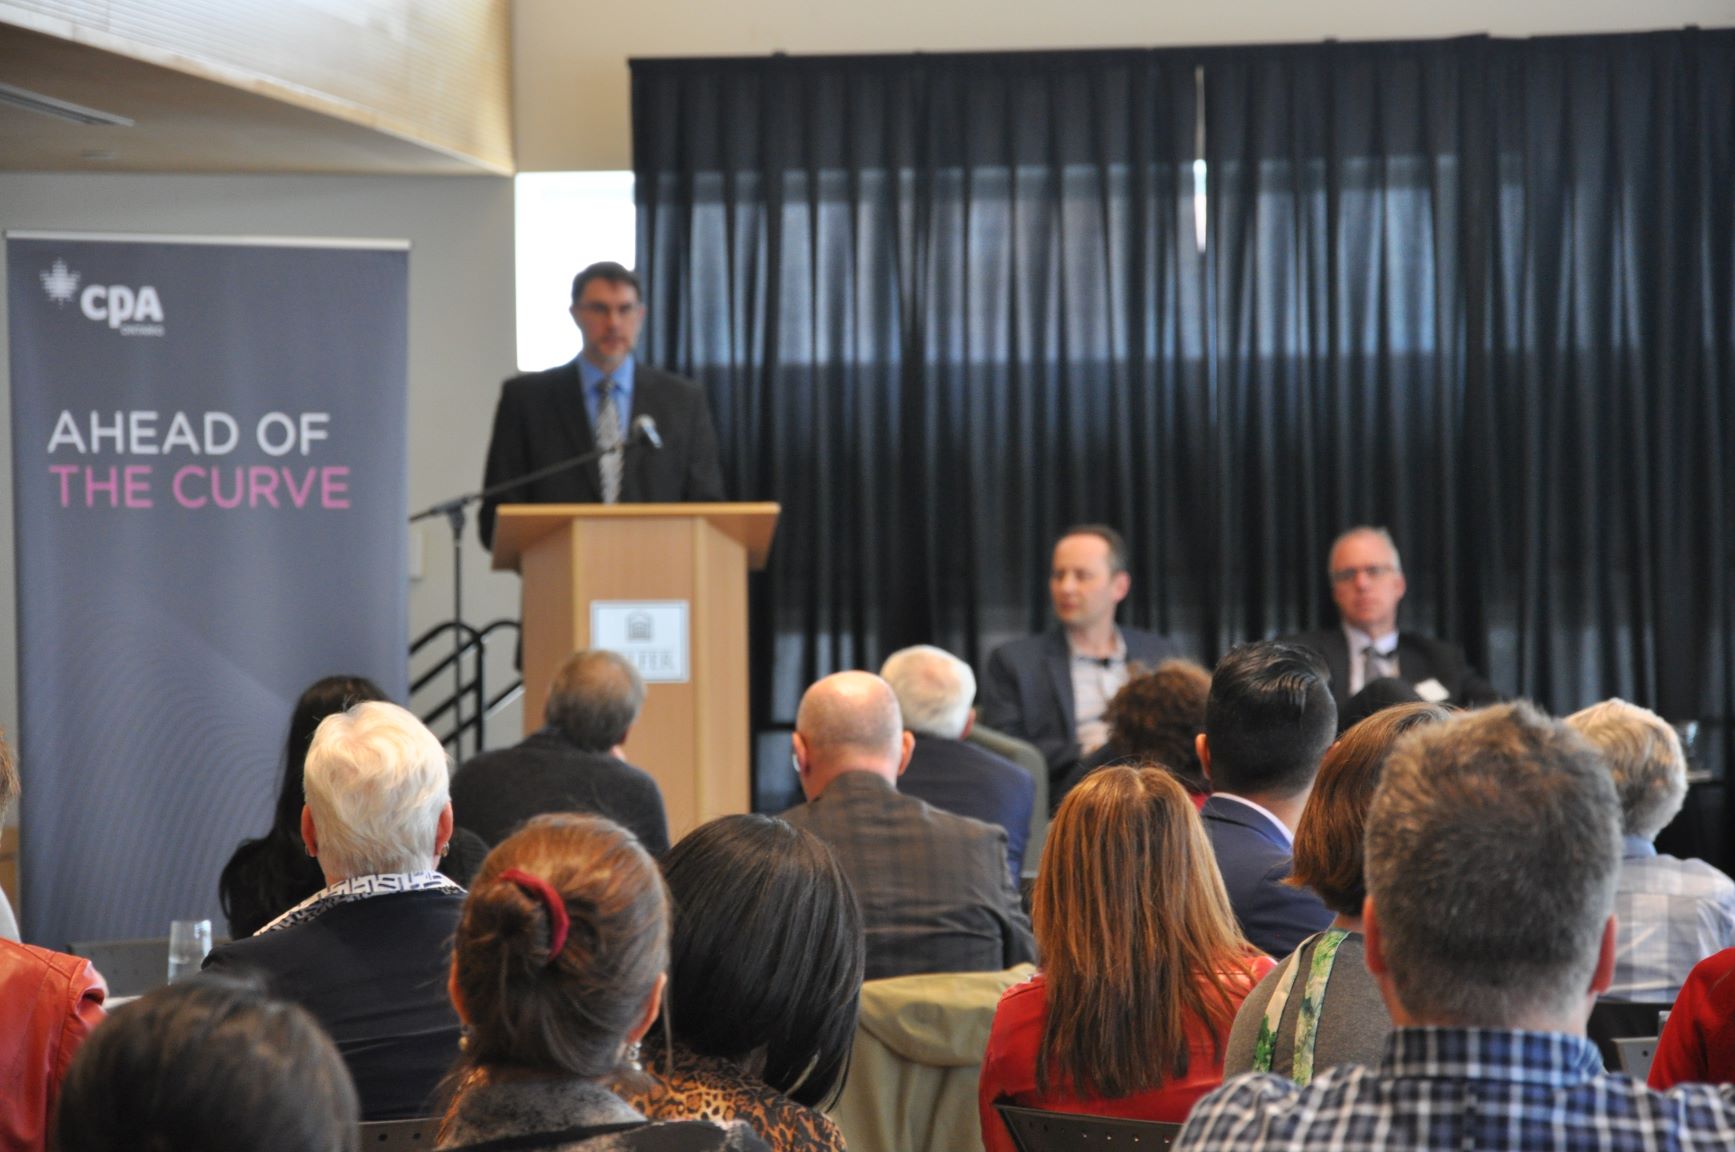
(935, 690)
(546, 417)
(1051, 690)
(1268, 721)
(1367, 585)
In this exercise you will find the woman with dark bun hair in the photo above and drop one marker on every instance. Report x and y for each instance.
(764, 983)
(274, 873)
(558, 969)
(208, 1065)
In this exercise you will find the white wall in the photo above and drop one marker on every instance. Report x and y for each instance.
(571, 87)
(460, 331)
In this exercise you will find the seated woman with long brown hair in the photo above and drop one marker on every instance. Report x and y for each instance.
(1143, 966)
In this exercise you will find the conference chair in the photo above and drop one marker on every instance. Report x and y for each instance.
(131, 967)
(1613, 1020)
(1034, 1130)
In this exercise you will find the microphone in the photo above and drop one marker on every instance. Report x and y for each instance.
(645, 428)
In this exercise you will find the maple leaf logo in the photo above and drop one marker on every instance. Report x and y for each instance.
(60, 283)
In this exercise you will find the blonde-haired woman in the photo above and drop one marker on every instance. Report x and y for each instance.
(1143, 966)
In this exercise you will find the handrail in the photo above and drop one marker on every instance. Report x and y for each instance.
(472, 646)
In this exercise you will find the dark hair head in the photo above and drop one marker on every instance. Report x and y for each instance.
(1375, 695)
(606, 270)
(1269, 718)
(272, 872)
(1328, 837)
(207, 1065)
(568, 1013)
(1136, 935)
(594, 699)
(1117, 546)
(1156, 716)
(766, 965)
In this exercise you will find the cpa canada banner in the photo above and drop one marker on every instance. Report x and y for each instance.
(209, 498)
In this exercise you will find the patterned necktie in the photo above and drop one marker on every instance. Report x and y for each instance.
(608, 440)
(1372, 665)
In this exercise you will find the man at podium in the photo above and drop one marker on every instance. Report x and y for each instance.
(653, 427)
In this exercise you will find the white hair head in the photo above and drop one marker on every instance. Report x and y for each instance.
(1644, 754)
(934, 688)
(376, 782)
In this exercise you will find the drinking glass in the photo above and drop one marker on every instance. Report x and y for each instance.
(189, 941)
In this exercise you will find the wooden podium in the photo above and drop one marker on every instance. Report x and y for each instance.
(630, 566)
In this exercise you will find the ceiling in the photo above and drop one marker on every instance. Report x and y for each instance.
(182, 123)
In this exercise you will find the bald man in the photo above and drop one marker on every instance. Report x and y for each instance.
(934, 889)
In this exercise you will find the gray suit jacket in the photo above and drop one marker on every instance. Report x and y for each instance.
(1027, 691)
(934, 890)
(541, 420)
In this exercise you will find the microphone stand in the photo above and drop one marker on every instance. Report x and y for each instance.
(454, 510)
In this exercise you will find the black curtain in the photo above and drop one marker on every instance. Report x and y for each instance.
(1481, 291)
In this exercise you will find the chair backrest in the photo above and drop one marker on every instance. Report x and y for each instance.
(131, 967)
(1034, 1130)
(1635, 1055)
(417, 1132)
(1026, 756)
(1612, 1020)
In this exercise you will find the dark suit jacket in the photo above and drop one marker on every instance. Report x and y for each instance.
(934, 891)
(497, 791)
(541, 420)
(1027, 691)
(1419, 659)
(970, 781)
(1254, 861)
(373, 972)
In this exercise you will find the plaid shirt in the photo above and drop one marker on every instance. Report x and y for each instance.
(1672, 914)
(1464, 1089)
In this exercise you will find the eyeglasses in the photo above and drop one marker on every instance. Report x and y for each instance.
(1371, 571)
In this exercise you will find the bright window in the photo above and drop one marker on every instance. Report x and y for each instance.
(564, 221)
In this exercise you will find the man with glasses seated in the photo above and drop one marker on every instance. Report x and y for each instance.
(1367, 584)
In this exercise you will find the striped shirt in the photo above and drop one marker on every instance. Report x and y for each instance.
(1672, 914)
(1463, 1089)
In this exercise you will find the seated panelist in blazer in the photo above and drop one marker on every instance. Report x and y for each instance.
(1367, 584)
(600, 400)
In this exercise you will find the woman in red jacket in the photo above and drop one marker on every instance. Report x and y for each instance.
(1143, 966)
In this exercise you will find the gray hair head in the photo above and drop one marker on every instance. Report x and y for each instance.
(1644, 754)
(595, 698)
(376, 782)
(1383, 536)
(934, 688)
(1493, 845)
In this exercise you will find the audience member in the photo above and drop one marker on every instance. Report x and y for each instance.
(574, 763)
(1374, 696)
(1053, 689)
(268, 876)
(765, 973)
(367, 953)
(1493, 848)
(1698, 1042)
(1142, 965)
(1672, 913)
(1156, 718)
(208, 1065)
(1345, 1021)
(1268, 721)
(1367, 584)
(558, 971)
(935, 690)
(49, 1002)
(934, 890)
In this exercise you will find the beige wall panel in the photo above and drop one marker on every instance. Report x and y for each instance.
(432, 71)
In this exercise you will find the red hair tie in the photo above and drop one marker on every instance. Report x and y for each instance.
(551, 899)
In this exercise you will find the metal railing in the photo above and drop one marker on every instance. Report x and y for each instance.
(468, 686)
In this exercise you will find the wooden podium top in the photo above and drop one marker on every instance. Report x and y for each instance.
(518, 526)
